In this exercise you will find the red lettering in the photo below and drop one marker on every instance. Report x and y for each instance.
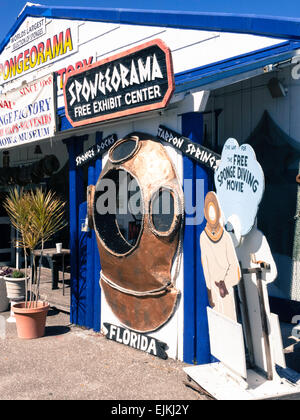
(69, 69)
(78, 65)
(87, 63)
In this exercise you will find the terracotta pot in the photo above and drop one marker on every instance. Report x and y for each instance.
(4, 302)
(15, 287)
(31, 322)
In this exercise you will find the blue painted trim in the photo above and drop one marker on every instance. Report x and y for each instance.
(189, 258)
(82, 301)
(270, 26)
(75, 147)
(234, 65)
(73, 228)
(97, 265)
(196, 349)
(90, 262)
(202, 335)
(60, 111)
(213, 72)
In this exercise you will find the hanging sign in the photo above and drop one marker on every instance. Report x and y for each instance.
(97, 150)
(188, 148)
(136, 340)
(138, 80)
(240, 183)
(27, 114)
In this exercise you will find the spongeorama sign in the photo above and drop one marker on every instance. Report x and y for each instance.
(137, 80)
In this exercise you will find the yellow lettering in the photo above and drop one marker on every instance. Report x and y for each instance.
(20, 63)
(34, 53)
(58, 45)
(68, 41)
(48, 53)
(6, 70)
(41, 58)
(12, 65)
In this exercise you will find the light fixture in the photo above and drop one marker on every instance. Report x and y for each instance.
(276, 88)
(38, 150)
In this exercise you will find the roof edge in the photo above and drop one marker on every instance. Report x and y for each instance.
(268, 26)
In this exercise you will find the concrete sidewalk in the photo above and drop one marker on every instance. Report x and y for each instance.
(73, 363)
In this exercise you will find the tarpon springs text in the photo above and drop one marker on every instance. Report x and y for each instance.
(128, 83)
(188, 148)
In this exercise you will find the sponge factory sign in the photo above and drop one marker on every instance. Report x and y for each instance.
(136, 340)
(27, 114)
(138, 80)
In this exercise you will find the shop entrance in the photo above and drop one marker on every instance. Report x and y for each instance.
(187, 331)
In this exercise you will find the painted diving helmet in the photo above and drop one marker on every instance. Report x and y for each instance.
(137, 215)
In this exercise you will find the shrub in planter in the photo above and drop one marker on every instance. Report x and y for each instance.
(4, 301)
(37, 216)
(15, 285)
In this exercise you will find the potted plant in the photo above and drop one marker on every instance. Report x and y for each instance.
(15, 289)
(4, 301)
(37, 216)
(15, 285)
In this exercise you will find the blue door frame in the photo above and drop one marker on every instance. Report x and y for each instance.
(85, 305)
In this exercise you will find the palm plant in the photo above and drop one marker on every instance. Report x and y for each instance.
(17, 207)
(47, 218)
(37, 216)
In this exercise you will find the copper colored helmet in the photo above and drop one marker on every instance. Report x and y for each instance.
(212, 213)
(136, 271)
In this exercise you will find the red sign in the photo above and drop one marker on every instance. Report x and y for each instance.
(134, 81)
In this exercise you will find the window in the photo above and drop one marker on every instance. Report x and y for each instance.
(118, 211)
(164, 211)
(124, 149)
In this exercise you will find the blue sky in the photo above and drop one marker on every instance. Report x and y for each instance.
(11, 8)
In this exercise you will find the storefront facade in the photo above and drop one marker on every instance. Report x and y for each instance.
(227, 77)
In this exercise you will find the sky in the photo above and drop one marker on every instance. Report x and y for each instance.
(11, 8)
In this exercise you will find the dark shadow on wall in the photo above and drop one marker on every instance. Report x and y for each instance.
(279, 157)
(59, 183)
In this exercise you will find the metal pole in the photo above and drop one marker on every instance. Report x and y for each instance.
(245, 315)
(264, 321)
(265, 327)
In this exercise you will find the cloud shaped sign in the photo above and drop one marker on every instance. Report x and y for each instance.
(240, 183)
